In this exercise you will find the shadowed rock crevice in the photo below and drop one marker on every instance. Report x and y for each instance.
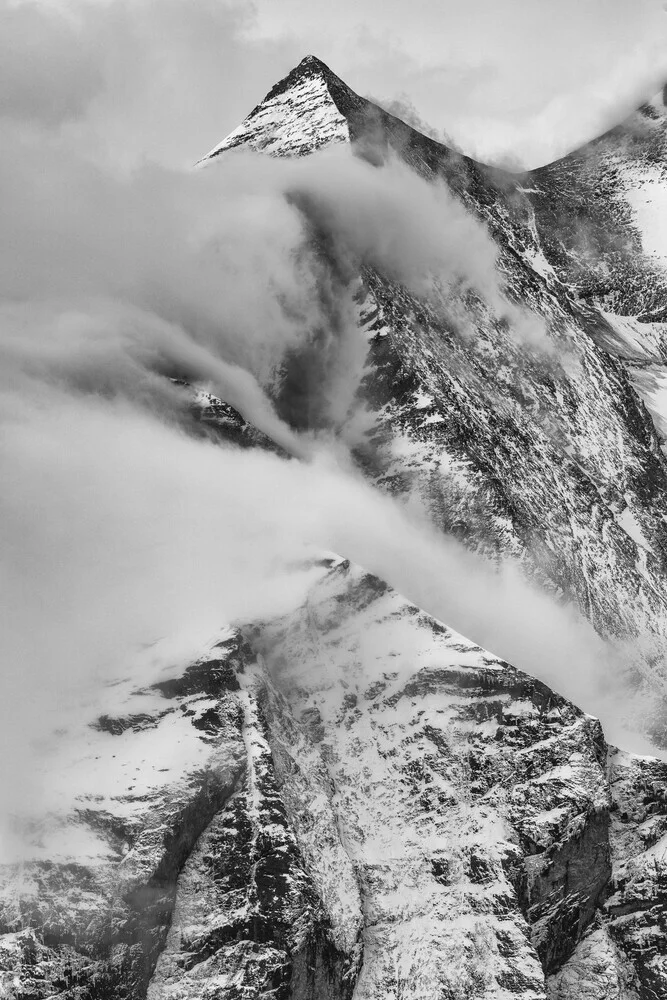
(564, 888)
(247, 911)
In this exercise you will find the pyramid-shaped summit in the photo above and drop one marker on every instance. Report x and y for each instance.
(312, 108)
(305, 111)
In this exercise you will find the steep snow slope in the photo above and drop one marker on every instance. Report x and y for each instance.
(548, 457)
(362, 804)
(294, 118)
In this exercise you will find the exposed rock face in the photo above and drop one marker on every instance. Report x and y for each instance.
(597, 213)
(248, 918)
(550, 459)
(354, 801)
(98, 878)
(636, 906)
(368, 806)
(296, 117)
(213, 417)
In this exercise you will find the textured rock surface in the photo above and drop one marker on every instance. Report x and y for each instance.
(96, 875)
(550, 459)
(296, 117)
(372, 806)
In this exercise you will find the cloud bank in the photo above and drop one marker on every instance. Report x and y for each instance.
(117, 525)
(513, 84)
(117, 530)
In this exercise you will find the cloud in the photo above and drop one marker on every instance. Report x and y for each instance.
(569, 118)
(217, 275)
(511, 83)
(165, 80)
(45, 74)
(135, 80)
(116, 526)
(117, 529)
(413, 231)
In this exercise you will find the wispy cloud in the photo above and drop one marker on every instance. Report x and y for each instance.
(117, 526)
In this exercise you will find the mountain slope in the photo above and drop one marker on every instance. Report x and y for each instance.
(363, 803)
(353, 800)
(600, 213)
(545, 457)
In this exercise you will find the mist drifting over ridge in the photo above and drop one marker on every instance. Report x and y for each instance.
(332, 499)
(118, 526)
(116, 277)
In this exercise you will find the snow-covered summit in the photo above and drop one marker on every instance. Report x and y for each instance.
(312, 108)
(297, 116)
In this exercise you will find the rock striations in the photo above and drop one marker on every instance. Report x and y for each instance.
(353, 800)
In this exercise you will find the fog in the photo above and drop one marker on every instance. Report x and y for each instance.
(118, 526)
(118, 530)
(109, 278)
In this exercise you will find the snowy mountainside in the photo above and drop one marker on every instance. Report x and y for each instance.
(358, 802)
(546, 457)
(294, 118)
(353, 801)
(600, 215)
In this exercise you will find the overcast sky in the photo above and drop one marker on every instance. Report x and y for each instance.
(120, 535)
(167, 79)
(509, 76)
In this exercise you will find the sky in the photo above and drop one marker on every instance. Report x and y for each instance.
(515, 79)
(519, 82)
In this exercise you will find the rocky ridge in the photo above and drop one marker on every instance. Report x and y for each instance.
(367, 805)
(547, 457)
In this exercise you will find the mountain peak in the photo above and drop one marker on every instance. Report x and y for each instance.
(300, 114)
(311, 108)
(312, 62)
(309, 67)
